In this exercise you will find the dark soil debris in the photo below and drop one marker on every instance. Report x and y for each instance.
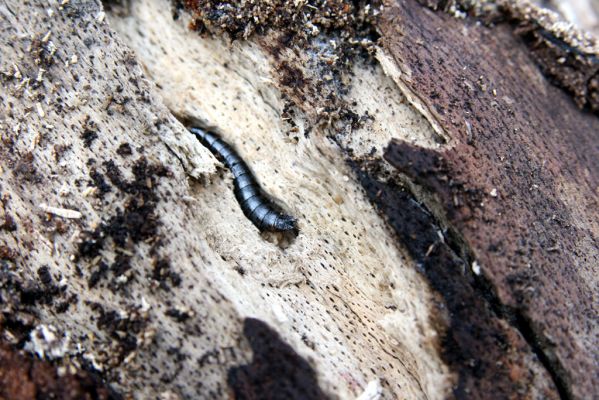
(240, 19)
(317, 43)
(292, 76)
(63, 306)
(43, 52)
(6, 253)
(121, 265)
(8, 224)
(44, 275)
(59, 150)
(97, 275)
(124, 150)
(88, 137)
(25, 168)
(136, 221)
(90, 133)
(162, 273)
(32, 293)
(91, 242)
(99, 182)
(19, 298)
(177, 315)
(124, 329)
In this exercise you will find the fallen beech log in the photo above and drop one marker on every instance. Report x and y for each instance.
(442, 172)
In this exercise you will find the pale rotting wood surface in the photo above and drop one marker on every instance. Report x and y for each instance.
(162, 285)
(517, 357)
(340, 237)
(119, 234)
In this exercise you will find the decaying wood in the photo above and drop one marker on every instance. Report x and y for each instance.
(446, 194)
(163, 274)
(511, 184)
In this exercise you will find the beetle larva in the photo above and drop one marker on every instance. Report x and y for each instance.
(254, 204)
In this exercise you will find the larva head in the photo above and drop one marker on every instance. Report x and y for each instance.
(284, 223)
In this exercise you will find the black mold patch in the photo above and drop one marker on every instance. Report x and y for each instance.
(276, 370)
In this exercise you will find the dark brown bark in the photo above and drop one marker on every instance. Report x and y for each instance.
(169, 290)
(518, 185)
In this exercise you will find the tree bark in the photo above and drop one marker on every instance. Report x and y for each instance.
(442, 173)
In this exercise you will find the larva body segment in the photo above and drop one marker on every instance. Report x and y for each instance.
(254, 204)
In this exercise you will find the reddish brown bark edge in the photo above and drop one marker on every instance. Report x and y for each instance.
(557, 54)
(24, 377)
(517, 184)
(488, 355)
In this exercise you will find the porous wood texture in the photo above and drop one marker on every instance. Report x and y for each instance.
(445, 190)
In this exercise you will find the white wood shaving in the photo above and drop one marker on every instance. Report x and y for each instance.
(61, 212)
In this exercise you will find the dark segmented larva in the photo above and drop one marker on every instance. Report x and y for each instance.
(254, 204)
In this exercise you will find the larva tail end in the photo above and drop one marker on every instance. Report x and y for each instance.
(197, 131)
(285, 223)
